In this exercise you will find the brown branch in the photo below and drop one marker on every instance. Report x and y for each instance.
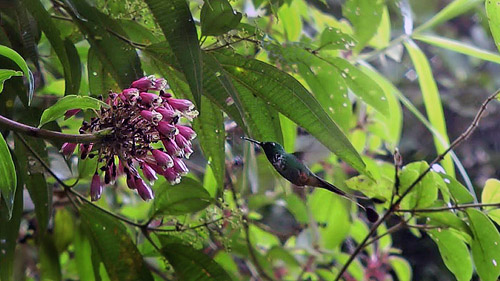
(393, 207)
(46, 134)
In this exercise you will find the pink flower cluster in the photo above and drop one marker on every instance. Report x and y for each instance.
(138, 120)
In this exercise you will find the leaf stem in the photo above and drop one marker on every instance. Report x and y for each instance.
(46, 134)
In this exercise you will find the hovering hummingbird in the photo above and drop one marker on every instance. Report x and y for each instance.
(296, 172)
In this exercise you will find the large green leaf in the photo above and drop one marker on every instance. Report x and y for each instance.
(485, 245)
(113, 244)
(118, 57)
(71, 67)
(6, 74)
(365, 16)
(50, 266)
(69, 102)
(192, 264)
(14, 56)
(423, 193)
(493, 13)
(83, 254)
(448, 219)
(176, 22)
(333, 39)
(186, 197)
(432, 101)
(401, 267)
(453, 9)
(8, 179)
(9, 233)
(218, 17)
(288, 96)
(100, 79)
(457, 191)
(454, 252)
(459, 47)
(491, 194)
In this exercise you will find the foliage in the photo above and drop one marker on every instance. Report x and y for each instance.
(296, 72)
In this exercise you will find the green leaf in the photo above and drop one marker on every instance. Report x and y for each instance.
(459, 47)
(363, 86)
(423, 193)
(177, 24)
(448, 219)
(334, 39)
(401, 267)
(282, 92)
(186, 197)
(493, 14)
(6, 74)
(50, 266)
(458, 192)
(100, 78)
(432, 101)
(9, 232)
(218, 17)
(491, 194)
(192, 264)
(290, 19)
(118, 57)
(64, 229)
(83, 254)
(454, 252)
(485, 245)
(63, 49)
(14, 56)
(114, 246)
(69, 102)
(8, 179)
(365, 16)
(453, 9)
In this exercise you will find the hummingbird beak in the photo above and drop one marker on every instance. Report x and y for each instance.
(251, 140)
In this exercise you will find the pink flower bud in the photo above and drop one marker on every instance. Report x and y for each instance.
(148, 172)
(171, 147)
(188, 150)
(181, 104)
(167, 114)
(152, 116)
(180, 167)
(163, 94)
(162, 158)
(131, 93)
(143, 189)
(68, 148)
(95, 188)
(71, 112)
(166, 129)
(144, 83)
(159, 84)
(186, 132)
(131, 181)
(172, 176)
(121, 170)
(149, 98)
(156, 168)
(181, 141)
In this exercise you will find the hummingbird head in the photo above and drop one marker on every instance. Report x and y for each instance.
(270, 148)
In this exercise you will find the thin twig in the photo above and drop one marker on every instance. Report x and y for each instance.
(393, 207)
(447, 208)
(46, 134)
(206, 224)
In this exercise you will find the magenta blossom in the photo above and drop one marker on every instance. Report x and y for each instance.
(136, 121)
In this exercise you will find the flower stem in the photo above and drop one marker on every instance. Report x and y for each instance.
(46, 134)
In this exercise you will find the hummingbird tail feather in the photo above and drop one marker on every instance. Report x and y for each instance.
(326, 185)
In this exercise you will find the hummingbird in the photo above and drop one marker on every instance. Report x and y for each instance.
(289, 166)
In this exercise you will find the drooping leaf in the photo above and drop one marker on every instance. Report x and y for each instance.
(448, 219)
(192, 264)
(63, 49)
(218, 17)
(365, 16)
(458, 192)
(289, 17)
(453, 9)
(64, 229)
(9, 232)
(100, 79)
(424, 193)
(118, 57)
(114, 246)
(432, 101)
(69, 102)
(186, 197)
(83, 254)
(491, 194)
(8, 178)
(50, 266)
(6, 74)
(176, 22)
(493, 13)
(288, 96)
(454, 253)
(485, 245)
(335, 39)
(14, 56)
(459, 47)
